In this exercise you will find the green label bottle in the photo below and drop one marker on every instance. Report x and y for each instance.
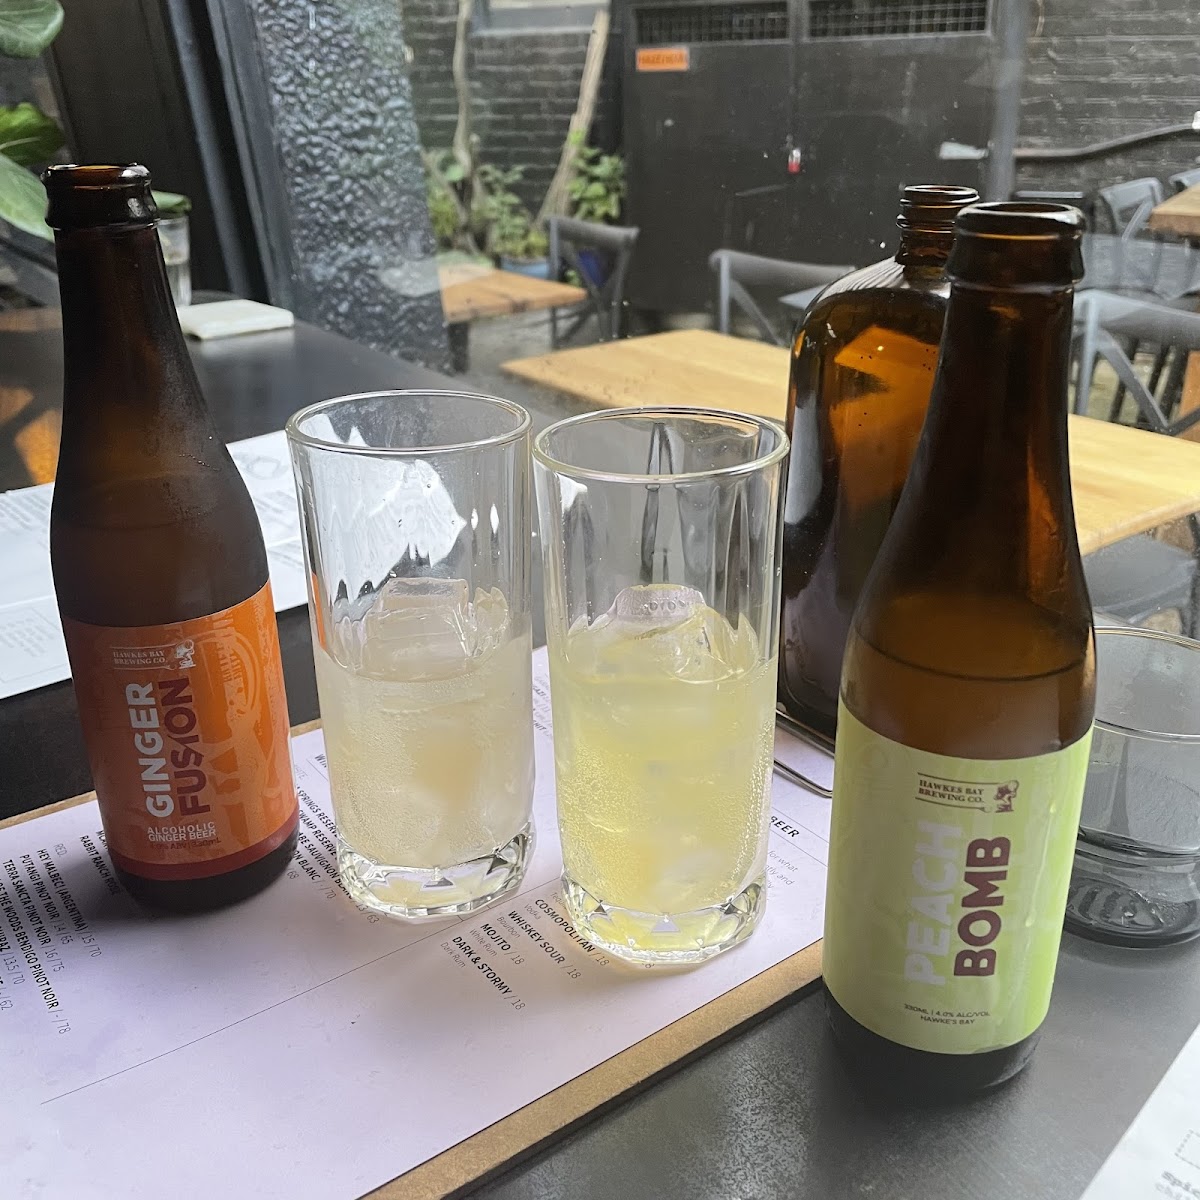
(968, 692)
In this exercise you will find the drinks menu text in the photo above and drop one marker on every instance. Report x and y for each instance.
(297, 1046)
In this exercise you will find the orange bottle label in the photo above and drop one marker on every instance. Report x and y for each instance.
(187, 736)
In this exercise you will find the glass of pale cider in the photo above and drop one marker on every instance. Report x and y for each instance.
(417, 524)
(660, 534)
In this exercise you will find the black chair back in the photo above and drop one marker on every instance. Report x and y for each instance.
(1128, 205)
(602, 275)
(736, 271)
(1182, 180)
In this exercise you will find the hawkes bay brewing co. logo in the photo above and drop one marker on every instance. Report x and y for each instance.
(175, 656)
(957, 793)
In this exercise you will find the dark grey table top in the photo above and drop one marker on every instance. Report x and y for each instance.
(771, 1112)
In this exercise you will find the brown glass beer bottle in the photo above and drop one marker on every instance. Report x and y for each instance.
(967, 694)
(862, 367)
(161, 574)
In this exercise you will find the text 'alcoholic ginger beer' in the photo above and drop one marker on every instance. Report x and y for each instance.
(161, 574)
(967, 692)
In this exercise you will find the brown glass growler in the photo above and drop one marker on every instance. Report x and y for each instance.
(161, 574)
(967, 694)
(862, 367)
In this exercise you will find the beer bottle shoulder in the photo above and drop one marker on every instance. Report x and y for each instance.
(175, 539)
(885, 296)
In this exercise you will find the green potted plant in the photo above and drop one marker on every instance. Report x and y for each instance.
(596, 193)
(597, 190)
(478, 215)
(28, 137)
(510, 234)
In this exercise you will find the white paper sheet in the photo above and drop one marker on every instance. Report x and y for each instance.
(32, 651)
(295, 1046)
(1159, 1154)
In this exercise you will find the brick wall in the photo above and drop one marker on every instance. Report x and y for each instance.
(1100, 69)
(1095, 69)
(525, 84)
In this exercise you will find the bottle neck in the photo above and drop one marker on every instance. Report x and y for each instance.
(924, 250)
(992, 469)
(1001, 383)
(123, 346)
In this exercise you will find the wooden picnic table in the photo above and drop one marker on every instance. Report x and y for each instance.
(1180, 214)
(1125, 481)
(471, 291)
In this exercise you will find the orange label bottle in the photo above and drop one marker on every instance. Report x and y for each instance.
(186, 725)
(161, 574)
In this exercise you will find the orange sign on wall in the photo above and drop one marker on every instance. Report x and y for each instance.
(663, 58)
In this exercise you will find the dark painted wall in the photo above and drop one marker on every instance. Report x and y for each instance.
(1095, 69)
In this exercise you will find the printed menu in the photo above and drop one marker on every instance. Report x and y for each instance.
(298, 1046)
(1159, 1154)
(32, 651)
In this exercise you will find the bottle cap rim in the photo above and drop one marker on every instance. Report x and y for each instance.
(99, 194)
(1021, 219)
(1018, 244)
(938, 195)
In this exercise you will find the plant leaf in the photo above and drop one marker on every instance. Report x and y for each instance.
(22, 199)
(27, 135)
(171, 204)
(27, 27)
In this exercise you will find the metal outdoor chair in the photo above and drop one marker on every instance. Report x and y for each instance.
(1182, 180)
(1084, 201)
(1128, 205)
(1105, 324)
(612, 248)
(1141, 575)
(737, 271)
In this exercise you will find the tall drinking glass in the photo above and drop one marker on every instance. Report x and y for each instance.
(660, 534)
(416, 513)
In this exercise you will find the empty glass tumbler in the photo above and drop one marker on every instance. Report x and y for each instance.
(417, 522)
(660, 534)
(1136, 877)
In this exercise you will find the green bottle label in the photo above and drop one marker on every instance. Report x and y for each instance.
(947, 886)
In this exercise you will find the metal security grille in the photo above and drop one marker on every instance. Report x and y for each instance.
(895, 18)
(681, 24)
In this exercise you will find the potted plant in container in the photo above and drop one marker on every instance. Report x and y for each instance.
(597, 192)
(479, 216)
(511, 236)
